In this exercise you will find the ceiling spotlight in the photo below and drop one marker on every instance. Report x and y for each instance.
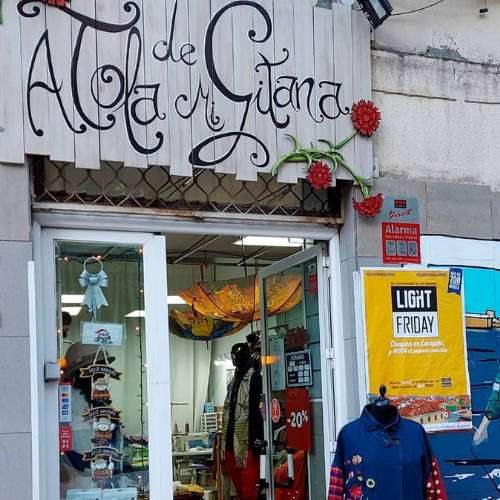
(484, 10)
(376, 11)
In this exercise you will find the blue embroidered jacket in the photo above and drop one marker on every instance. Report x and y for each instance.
(375, 462)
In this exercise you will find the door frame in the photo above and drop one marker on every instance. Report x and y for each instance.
(130, 227)
(46, 434)
(320, 253)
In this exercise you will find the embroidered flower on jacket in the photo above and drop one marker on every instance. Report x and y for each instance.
(356, 492)
(370, 483)
(356, 459)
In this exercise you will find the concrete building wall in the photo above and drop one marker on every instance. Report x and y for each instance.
(15, 252)
(436, 81)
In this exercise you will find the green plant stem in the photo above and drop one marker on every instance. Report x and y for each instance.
(358, 178)
(346, 140)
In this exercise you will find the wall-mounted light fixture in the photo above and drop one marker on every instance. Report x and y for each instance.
(376, 11)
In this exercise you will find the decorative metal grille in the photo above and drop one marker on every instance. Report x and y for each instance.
(154, 187)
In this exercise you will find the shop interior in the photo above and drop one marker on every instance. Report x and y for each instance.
(100, 292)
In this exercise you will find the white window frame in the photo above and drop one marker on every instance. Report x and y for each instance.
(45, 436)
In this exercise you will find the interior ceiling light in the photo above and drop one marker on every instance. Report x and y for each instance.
(72, 311)
(72, 299)
(171, 299)
(136, 314)
(376, 11)
(263, 241)
(175, 299)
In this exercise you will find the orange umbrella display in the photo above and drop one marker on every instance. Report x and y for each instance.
(198, 327)
(239, 299)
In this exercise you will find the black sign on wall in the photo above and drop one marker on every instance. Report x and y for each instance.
(298, 369)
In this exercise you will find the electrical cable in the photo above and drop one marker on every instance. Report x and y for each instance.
(418, 10)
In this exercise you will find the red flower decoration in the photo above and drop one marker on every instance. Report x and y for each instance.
(365, 117)
(370, 206)
(356, 491)
(320, 175)
(56, 3)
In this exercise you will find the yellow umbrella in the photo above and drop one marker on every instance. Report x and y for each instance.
(193, 326)
(238, 299)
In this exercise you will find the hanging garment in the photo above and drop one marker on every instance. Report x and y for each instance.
(245, 479)
(241, 420)
(377, 462)
(299, 489)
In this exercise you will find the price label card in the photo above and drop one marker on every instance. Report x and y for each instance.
(298, 419)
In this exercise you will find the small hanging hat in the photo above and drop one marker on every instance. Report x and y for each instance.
(81, 355)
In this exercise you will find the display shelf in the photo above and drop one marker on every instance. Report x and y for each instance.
(209, 422)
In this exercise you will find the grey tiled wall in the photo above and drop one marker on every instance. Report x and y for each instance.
(15, 252)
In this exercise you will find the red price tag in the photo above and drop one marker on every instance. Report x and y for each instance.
(65, 438)
(298, 419)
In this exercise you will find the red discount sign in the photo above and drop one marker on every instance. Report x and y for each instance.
(298, 421)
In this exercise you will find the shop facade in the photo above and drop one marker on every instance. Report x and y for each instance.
(136, 139)
(161, 150)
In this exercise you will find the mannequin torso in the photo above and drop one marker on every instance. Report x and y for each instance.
(384, 414)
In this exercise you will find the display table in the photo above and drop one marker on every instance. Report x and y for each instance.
(196, 453)
(179, 457)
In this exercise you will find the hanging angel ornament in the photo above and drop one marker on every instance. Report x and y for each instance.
(94, 296)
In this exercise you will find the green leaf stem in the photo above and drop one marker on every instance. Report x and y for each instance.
(312, 154)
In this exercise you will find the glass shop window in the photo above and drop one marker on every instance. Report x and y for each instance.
(103, 401)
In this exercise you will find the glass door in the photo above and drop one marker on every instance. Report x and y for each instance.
(297, 378)
(105, 382)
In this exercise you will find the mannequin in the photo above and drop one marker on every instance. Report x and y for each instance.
(381, 455)
(382, 410)
(242, 424)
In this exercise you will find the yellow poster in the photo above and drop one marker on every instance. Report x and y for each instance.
(415, 344)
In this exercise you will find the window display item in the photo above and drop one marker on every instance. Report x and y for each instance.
(91, 494)
(100, 389)
(120, 494)
(94, 297)
(103, 428)
(195, 326)
(103, 371)
(238, 299)
(381, 455)
(101, 468)
(242, 424)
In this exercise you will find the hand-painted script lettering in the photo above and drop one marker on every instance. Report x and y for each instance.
(275, 95)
